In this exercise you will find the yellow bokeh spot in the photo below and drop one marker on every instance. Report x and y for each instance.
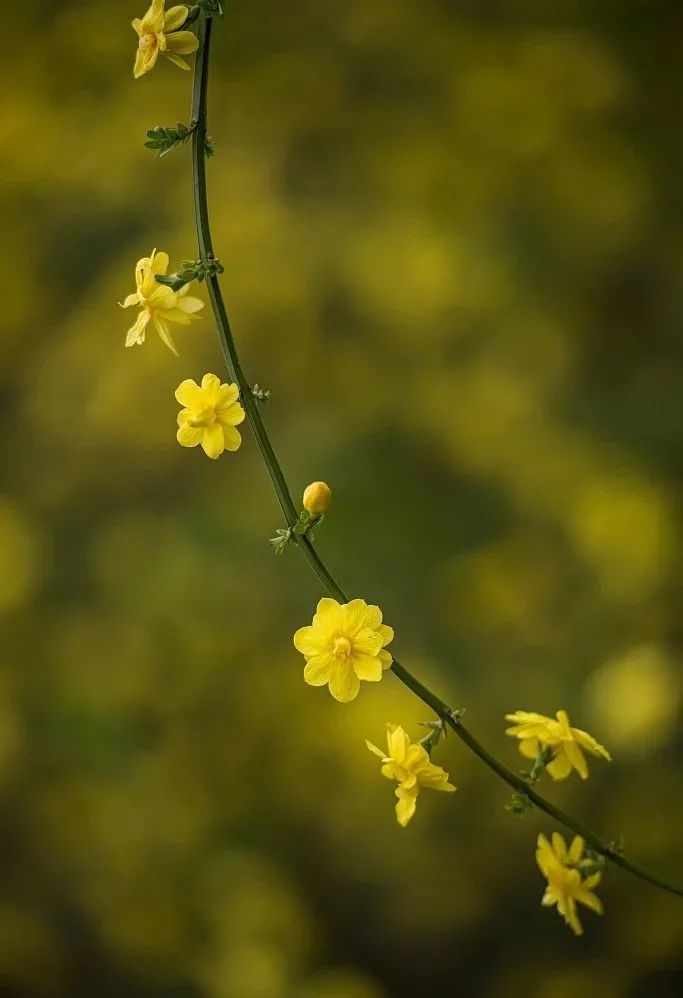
(626, 530)
(20, 557)
(634, 698)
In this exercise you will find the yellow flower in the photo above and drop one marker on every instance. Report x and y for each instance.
(344, 644)
(566, 886)
(536, 731)
(210, 416)
(317, 498)
(409, 764)
(158, 32)
(158, 303)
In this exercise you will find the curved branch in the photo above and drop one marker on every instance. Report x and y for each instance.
(450, 716)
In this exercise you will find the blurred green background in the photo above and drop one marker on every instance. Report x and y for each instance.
(453, 248)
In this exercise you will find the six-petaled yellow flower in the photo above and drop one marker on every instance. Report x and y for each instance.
(158, 303)
(210, 417)
(409, 764)
(536, 731)
(344, 644)
(566, 885)
(158, 32)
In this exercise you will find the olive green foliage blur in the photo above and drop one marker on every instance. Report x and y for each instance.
(453, 252)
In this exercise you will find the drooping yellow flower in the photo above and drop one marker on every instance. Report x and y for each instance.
(409, 764)
(158, 32)
(317, 498)
(210, 417)
(158, 303)
(344, 644)
(566, 885)
(536, 731)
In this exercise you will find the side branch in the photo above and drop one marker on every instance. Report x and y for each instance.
(450, 716)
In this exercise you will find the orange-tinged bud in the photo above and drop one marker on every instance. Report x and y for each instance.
(317, 498)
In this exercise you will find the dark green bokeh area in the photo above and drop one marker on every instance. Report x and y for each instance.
(453, 249)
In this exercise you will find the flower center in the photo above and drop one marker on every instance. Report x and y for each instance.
(565, 878)
(342, 648)
(148, 40)
(205, 417)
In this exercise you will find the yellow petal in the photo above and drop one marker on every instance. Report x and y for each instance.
(137, 26)
(213, 442)
(136, 333)
(576, 758)
(145, 60)
(416, 757)
(232, 438)
(155, 14)
(133, 299)
(357, 613)
(559, 846)
(318, 669)
(373, 616)
(164, 333)
(588, 742)
(545, 857)
(405, 808)
(435, 778)
(367, 642)
(177, 61)
(386, 659)
(211, 385)
(186, 303)
(408, 782)
(307, 641)
(182, 42)
(327, 614)
(571, 917)
(563, 721)
(375, 750)
(576, 849)
(590, 899)
(529, 748)
(367, 667)
(386, 633)
(160, 263)
(188, 393)
(525, 731)
(388, 771)
(143, 264)
(177, 316)
(231, 415)
(344, 683)
(560, 767)
(398, 742)
(226, 396)
(161, 297)
(527, 717)
(144, 278)
(175, 18)
(189, 436)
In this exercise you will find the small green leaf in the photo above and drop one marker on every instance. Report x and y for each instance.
(162, 140)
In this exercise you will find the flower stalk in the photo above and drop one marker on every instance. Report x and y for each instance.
(448, 716)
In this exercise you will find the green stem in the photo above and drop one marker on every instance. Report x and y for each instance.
(327, 580)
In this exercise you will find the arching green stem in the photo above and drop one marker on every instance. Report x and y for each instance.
(329, 584)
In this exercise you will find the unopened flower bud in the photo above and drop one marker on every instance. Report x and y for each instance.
(317, 498)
